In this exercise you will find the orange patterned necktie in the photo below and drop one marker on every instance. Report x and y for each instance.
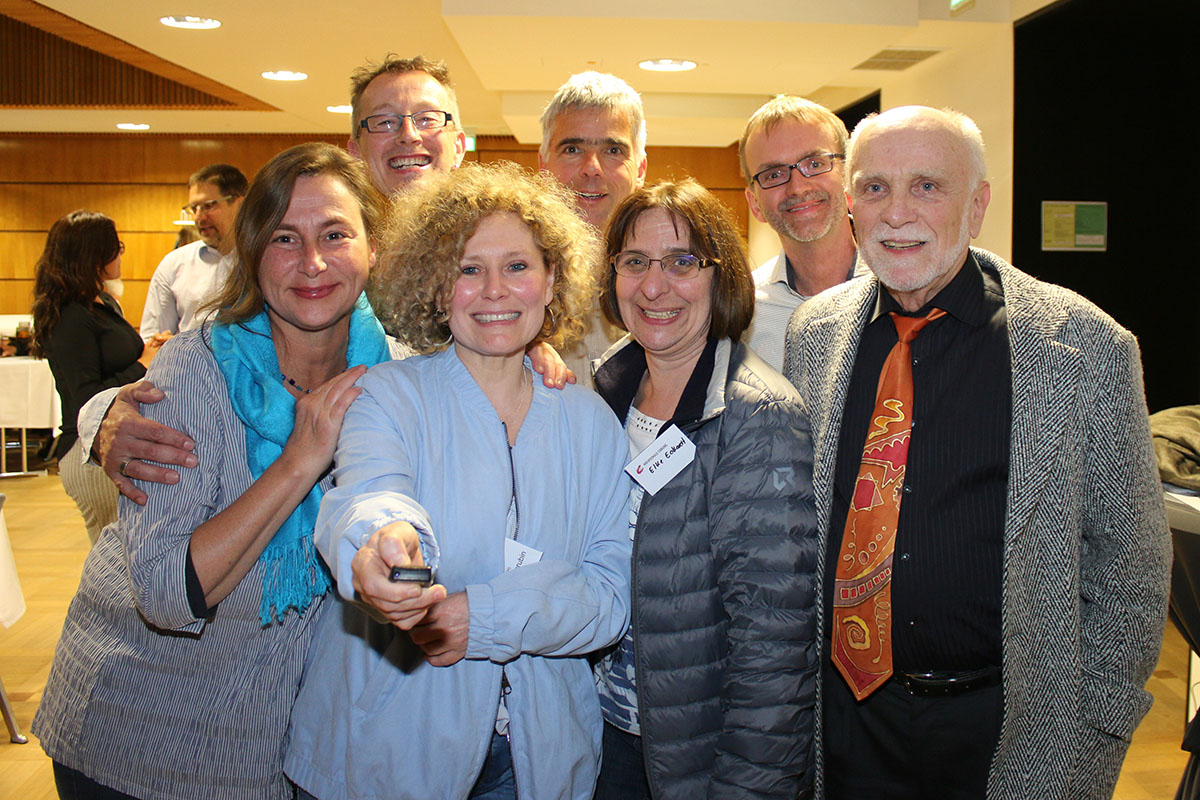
(862, 594)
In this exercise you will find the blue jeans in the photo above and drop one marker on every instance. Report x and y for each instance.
(623, 768)
(496, 781)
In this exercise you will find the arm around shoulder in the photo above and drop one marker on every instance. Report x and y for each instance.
(156, 537)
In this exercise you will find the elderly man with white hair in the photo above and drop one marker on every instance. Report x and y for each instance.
(991, 616)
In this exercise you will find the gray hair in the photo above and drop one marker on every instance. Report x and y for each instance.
(955, 122)
(600, 91)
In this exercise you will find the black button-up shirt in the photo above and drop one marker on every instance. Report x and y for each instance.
(947, 568)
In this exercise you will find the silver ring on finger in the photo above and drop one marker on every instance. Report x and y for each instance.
(125, 463)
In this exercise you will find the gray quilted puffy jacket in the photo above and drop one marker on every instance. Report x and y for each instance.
(724, 584)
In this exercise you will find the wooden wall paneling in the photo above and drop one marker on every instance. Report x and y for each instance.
(136, 158)
(134, 300)
(16, 296)
(19, 252)
(735, 201)
(143, 251)
(133, 207)
(528, 160)
(175, 158)
(71, 158)
(713, 167)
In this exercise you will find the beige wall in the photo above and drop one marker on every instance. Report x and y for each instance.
(976, 80)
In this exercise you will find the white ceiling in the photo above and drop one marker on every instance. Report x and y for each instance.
(508, 56)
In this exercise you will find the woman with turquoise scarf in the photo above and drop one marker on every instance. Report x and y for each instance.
(182, 651)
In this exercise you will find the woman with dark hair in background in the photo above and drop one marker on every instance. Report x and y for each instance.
(182, 650)
(79, 328)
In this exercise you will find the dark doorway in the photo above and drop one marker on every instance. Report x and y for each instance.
(1101, 114)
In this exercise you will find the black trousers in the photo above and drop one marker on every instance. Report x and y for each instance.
(622, 768)
(74, 785)
(894, 746)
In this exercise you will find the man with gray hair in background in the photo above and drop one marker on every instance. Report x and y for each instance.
(792, 154)
(594, 142)
(995, 577)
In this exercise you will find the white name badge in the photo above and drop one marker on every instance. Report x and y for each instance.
(662, 460)
(519, 554)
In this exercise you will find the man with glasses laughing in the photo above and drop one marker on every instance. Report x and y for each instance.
(405, 123)
(792, 155)
(186, 276)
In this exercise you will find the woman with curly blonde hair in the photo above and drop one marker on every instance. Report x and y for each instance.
(412, 285)
(511, 494)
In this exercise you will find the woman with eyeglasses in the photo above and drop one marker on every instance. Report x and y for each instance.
(710, 694)
(79, 327)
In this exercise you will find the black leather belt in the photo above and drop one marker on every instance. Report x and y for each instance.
(947, 684)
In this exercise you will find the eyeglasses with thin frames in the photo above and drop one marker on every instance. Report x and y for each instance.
(677, 266)
(208, 205)
(428, 120)
(809, 167)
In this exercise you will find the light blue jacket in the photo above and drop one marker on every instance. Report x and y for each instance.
(423, 444)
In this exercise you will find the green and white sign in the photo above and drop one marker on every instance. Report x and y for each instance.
(1074, 225)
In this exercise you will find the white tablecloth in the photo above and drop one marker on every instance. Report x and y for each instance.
(12, 602)
(28, 398)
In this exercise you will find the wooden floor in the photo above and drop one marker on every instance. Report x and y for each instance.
(49, 544)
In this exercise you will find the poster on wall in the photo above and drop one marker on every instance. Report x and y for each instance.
(1078, 226)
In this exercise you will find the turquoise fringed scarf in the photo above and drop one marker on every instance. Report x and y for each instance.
(293, 572)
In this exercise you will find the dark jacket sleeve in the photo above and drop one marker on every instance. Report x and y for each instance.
(764, 541)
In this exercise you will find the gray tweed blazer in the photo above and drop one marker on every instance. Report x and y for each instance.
(1086, 545)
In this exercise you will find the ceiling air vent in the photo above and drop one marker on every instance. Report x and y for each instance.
(896, 59)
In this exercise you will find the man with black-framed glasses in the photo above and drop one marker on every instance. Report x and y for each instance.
(405, 122)
(188, 275)
(792, 153)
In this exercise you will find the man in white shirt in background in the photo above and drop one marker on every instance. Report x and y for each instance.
(189, 275)
(792, 156)
(594, 142)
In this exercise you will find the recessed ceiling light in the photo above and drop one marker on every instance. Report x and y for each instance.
(340, 109)
(667, 65)
(133, 126)
(190, 22)
(285, 75)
